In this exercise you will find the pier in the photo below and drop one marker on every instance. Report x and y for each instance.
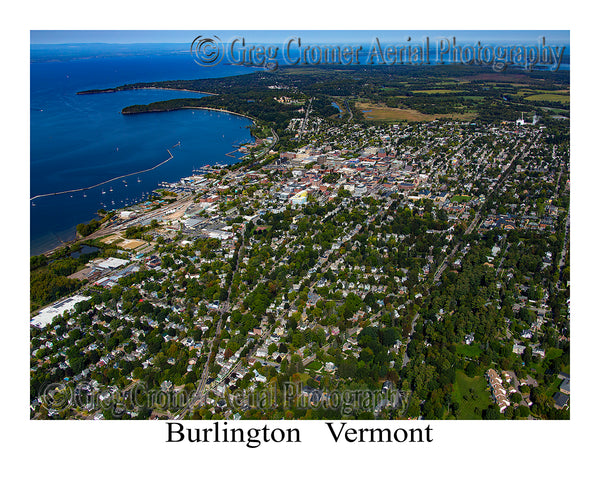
(105, 182)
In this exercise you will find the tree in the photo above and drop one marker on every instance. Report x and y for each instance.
(492, 413)
(527, 356)
(522, 411)
(471, 369)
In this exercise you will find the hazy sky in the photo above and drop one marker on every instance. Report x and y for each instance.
(263, 36)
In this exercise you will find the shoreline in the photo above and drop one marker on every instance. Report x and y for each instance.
(67, 243)
(174, 90)
(253, 120)
(119, 89)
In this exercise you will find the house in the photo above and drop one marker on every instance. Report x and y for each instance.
(560, 400)
(565, 386)
(540, 352)
(498, 392)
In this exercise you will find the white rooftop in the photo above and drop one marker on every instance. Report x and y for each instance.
(46, 315)
(113, 263)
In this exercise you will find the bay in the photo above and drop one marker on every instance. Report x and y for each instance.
(80, 140)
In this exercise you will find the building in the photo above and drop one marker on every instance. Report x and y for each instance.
(48, 314)
(498, 391)
(300, 198)
(560, 400)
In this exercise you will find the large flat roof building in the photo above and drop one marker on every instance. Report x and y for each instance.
(48, 314)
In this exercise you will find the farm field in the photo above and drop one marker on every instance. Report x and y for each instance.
(383, 113)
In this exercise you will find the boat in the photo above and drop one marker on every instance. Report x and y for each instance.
(103, 192)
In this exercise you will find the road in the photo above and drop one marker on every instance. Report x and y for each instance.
(405, 358)
(349, 110)
(224, 309)
(305, 121)
(563, 253)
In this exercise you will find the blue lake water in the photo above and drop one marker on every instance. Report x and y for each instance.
(81, 140)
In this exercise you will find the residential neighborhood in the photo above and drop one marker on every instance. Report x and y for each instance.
(429, 259)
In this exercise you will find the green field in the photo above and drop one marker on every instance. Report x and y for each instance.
(472, 351)
(549, 97)
(440, 91)
(472, 97)
(471, 394)
(460, 198)
(314, 365)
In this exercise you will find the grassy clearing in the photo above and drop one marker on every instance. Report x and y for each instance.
(471, 351)
(314, 365)
(472, 97)
(557, 111)
(380, 112)
(460, 198)
(471, 394)
(549, 97)
(441, 91)
(552, 388)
